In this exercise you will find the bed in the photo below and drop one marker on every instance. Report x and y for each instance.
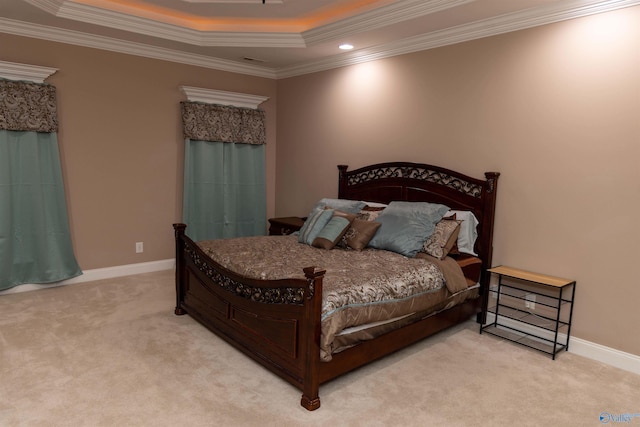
(281, 322)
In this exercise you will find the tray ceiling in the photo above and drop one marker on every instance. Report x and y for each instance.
(280, 38)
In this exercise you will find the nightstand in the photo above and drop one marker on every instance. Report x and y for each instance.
(531, 309)
(285, 225)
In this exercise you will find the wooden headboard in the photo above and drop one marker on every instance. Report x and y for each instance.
(419, 182)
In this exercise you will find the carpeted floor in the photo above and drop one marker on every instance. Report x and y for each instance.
(112, 353)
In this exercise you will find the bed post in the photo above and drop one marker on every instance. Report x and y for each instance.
(179, 235)
(311, 338)
(489, 210)
(342, 180)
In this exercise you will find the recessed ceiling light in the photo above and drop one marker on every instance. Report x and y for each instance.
(346, 46)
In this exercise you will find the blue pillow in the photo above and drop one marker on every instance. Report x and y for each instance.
(331, 234)
(315, 222)
(344, 205)
(406, 226)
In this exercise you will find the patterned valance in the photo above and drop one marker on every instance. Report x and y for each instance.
(220, 123)
(28, 106)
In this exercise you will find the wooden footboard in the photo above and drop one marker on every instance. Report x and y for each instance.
(277, 323)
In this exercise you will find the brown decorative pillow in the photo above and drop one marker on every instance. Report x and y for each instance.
(358, 235)
(369, 213)
(443, 238)
(333, 231)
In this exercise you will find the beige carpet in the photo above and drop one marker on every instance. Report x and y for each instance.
(112, 353)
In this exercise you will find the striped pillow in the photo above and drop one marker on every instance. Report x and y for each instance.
(331, 234)
(314, 224)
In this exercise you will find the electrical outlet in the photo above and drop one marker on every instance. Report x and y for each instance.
(530, 301)
(139, 247)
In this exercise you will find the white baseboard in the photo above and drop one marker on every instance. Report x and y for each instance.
(99, 274)
(610, 356)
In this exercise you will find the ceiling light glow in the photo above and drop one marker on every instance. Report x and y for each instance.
(346, 46)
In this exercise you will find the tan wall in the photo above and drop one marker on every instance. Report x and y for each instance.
(122, 146)
(555, 109)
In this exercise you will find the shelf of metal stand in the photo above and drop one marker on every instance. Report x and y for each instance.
(531, 309)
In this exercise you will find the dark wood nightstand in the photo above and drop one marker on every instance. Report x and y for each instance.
(284, 225)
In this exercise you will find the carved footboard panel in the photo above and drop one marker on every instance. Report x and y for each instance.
(277, 323)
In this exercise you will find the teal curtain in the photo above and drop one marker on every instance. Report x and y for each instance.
(224, 171)
(224, 190)
(35, 242)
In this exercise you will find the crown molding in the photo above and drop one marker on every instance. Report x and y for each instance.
(221, 97)
(138, 49)
(480, 29)
(122, 21)
(381, 17)
(25, 72)
(49, 6)
(373, 19)
(485, 28)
